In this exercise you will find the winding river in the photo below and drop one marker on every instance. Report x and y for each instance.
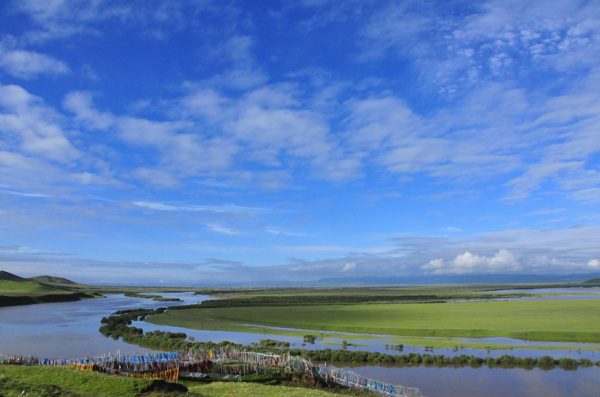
(70, 330)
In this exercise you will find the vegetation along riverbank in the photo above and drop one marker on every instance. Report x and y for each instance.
(66, 382)
(410, 312)
(119, 326)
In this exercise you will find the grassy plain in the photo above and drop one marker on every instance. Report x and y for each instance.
(27, 288)
(65, 382)
(54, 381)
(558, 320)
(243, 389)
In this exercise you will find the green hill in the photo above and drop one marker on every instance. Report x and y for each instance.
(6, 276)
(16, 290)
(13, 285)
(28, 288)
(57, 282)
(593, 281)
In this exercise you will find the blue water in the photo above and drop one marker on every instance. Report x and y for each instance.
(70, 330)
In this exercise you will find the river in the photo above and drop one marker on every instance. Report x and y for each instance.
(70, 330)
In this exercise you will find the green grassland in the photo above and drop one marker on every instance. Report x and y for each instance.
(244, 389)
(29, 288)
(55, 381)
(15, 290)
(562, 321)
(455, 291)
(66, 382)
(440, 292)
(158, 298)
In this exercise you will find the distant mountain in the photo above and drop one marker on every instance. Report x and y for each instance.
(459, 279)
(416, 280)
(16, 290)
(57, 282)
(593, 281)
(6, 276)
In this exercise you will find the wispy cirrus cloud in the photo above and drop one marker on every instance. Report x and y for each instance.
(493, 39)
(59, 19)
(414, 117)
(215, 227)
(34, 128)
(24, 194)
(227, 208)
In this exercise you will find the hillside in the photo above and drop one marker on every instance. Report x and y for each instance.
(16, 290)
(29, 288)
(57, 282)
(6, 276)
(593, 281)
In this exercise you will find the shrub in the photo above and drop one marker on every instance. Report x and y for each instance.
(546, 361)
(529, 362)
(567, 362)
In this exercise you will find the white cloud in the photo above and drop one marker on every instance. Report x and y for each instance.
(464, 143)
(24, 194)
(348, 267)
(265, 131)
(503, 261)
(451, 229)
(498, 39)
(19, 250)
(594, 264)
(587, 195)
(179, 153)
(540, 173)
(215, 227)
(547, 211)
(81, 104)
(228, 209)
(33, 127)
(282, 233)
(156, 177)
(58, 19)
(28, 64)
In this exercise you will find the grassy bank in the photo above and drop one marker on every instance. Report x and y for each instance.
(562, 321)
(158, 298)
(66, 382)
(54, 381)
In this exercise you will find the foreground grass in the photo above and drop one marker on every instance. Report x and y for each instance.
(561, 321)
(54, 381)
(66, 382)
(242, 389)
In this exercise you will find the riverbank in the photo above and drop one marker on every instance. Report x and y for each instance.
(70, 330)
(51, 298)
(575, 321)
(118, 326)
(67, 382)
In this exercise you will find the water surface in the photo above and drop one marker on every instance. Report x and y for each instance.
(490, 382)
(70, 330)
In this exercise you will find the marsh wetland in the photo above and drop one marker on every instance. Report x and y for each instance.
(449, 321)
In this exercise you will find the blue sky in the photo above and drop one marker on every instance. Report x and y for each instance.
(196, 142)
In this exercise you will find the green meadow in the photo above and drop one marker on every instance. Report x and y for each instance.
(16, 290)
(66, 382)
(55, 381)
(561, 321)
(28, 288)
